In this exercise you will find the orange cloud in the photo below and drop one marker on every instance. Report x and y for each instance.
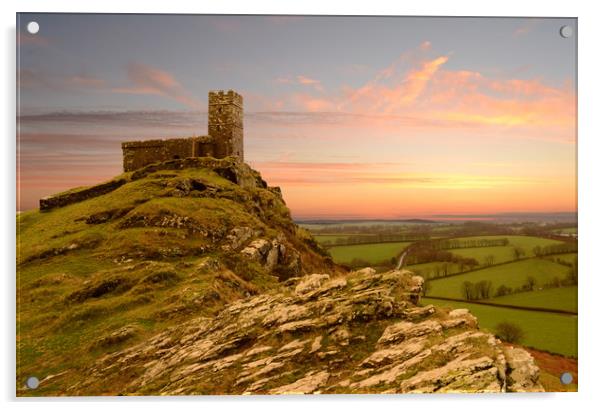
(42, 79)
(150, 80)
(301, 79)
(419, 88)
(25, 39)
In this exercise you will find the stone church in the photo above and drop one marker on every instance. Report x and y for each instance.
(225, 137)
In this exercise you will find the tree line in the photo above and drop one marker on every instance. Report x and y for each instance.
(469, 243)
(566, 247)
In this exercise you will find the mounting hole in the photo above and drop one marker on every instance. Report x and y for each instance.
(32, 382)
(566, 378)
(566, 31)
(33, 27)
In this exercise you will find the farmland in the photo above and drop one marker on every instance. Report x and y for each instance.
(371, 253)
(512, 275)
(544, 331)
(564, 298)
(525, 274)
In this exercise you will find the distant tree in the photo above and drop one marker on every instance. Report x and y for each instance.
(555, 282)
(471, 263)
(530, 283)
(503, 290)
(468, 290)
(489, 260)
(518, 252)
(445, 269)
(537, 251)
(509, 332)
(573, 274)
(482, 289)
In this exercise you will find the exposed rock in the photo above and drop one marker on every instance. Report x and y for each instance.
(320, 338)
(310, 282)
(341, 336)
(238, 237)
(405, 330)
(316, 344)
(523, 374)
(307, 384)
(208, 264)
(118, 336)
(270, 254)
(399, 352)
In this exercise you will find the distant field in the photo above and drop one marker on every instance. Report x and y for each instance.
(545, 331)
(428, 269)
(565, 257)
(332, 239)
(525, 242)
(566, 230)
(503, 253)
(372, 253)
(512, 275)
(499, 253)
(556, 298)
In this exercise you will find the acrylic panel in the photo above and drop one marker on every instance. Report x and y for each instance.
(278, 204)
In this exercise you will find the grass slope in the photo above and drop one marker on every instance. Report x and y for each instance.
(545, 331)
(512, 275)
(138, 259)
(556, 298)
(372, 253)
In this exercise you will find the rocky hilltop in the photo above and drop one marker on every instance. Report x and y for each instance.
(189, 277)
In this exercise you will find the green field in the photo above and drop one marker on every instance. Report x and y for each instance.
(545, 331)
(572, 230)
(331, 239)
(554, 298)
(565, 257)
(429, 269)
(500, 253)
(525, 242)
(512, 275)
(372, 253)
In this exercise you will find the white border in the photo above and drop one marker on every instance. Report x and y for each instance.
(590, 204)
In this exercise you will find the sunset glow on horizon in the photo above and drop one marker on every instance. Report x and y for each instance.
(351, 117)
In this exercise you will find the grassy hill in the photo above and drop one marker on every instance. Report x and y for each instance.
(171, 243)
(371, 253)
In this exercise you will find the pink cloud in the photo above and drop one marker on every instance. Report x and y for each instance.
(301, 79)
(41, 79)
(24, 39)
(525, 28)
(419, 87)
(150, 80)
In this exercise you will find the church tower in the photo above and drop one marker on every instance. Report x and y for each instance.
(225, 124)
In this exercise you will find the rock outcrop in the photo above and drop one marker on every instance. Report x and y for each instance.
(361, 333)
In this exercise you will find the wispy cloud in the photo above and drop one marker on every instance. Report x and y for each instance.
(525, 28)
(145, 79)
(27, 39)
(301, 80)
(418, 87)
(30, 78)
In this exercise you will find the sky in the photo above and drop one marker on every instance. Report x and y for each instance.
(353, 117)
